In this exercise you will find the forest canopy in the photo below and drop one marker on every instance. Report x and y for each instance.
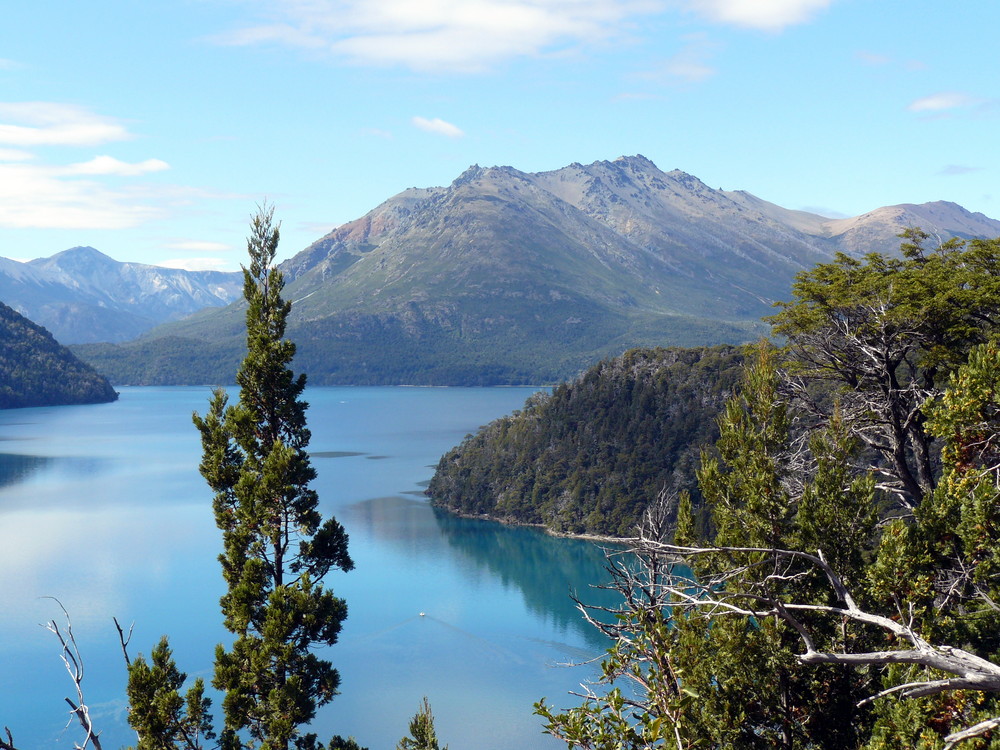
(35, 370)
(588, 457)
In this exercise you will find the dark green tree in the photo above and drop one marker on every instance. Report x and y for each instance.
(277, 548)
(422, 734)
(162, 718)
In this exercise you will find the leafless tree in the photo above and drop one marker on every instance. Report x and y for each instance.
(873, 358)
(762, 575)
(73, 662)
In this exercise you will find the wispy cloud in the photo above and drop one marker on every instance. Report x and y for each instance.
(441, 35)
(48, 197)
(201, 246)
(108, 165)
(438, 126)
(196, 264)
(952, 170)
(872, 58)
(876, 59)
(768, 15)
(9, 64)
(53, 124)
(691, 64)
(15, 154)
(70, 195)
(944, 101)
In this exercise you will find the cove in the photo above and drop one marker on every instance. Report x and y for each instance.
(103, 508)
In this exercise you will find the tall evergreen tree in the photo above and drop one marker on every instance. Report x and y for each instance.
(277, 549)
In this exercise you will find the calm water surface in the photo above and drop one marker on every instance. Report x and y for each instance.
(103, 508)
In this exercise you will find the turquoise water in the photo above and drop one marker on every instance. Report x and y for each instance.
(103, 508)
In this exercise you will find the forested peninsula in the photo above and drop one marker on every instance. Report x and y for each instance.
(590, 457)
(35, 370)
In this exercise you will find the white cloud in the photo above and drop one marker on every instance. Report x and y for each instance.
(943, 101)
(197, 264)
(108, 165)
(68, 195)
(34, 196)
(53, 124)
(462, 35)
(769, 15)
(201, 246)
(438, 126)
(9, 64)
(15, 154)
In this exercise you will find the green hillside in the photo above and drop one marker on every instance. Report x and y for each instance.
(35, 370)
(589, 457)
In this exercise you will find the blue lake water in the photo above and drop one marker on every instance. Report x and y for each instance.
(103, 508)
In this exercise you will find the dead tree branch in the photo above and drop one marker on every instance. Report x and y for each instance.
(762, 574)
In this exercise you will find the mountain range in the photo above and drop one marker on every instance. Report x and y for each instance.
(81, 295)
(510, 277)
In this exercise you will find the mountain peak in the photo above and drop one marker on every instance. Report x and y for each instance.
(474, 172)
(85, 252)
(76, 258)
(637, 162)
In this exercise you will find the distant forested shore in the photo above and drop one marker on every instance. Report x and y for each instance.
(588, 458)
(35, 370)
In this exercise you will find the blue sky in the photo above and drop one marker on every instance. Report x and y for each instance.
(150, 129)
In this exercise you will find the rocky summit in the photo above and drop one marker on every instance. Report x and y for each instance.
(513, 277)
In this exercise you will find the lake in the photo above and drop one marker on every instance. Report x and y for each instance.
(102, 507)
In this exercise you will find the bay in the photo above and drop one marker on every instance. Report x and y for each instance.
(102, 507)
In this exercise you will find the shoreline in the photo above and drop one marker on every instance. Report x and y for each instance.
(540, 526)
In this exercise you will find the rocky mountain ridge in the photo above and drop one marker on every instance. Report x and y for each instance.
(509, 276)
(82, 295)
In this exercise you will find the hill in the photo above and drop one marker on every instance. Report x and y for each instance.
(513, 277)
(35, 370)
(589, 457)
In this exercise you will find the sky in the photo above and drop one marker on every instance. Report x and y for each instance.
(151, 130)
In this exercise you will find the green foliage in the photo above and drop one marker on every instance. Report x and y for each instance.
(590, 457)
(277, 549)
(161, 717)
(422, 734)
(834, 451)
(883, 334)
(35, 370)
(748, 675)
(944, 565)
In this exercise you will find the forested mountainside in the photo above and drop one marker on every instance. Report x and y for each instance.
(591, 456)
(35, 370)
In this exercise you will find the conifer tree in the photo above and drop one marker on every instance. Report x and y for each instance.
(277, 549)
(422, 733)
(161, 717)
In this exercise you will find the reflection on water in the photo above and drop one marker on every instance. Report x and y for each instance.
(103, 507)
(15, 468)
(547, 570)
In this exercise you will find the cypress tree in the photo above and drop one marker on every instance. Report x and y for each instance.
(277, 548)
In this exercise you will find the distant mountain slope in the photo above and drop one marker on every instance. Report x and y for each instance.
(82, 295)
(593, 455)
(511, 277)
(878, 231)
(37, 371)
